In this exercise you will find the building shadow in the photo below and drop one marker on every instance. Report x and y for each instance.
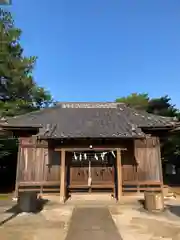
(8, 166)
(142, 203)
(16, 210)
(174, 210)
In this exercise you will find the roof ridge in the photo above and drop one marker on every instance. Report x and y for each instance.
(90, 104)
(61, 105)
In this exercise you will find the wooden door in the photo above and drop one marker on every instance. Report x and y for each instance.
(78, 172)
(92, 171)
(102, 172)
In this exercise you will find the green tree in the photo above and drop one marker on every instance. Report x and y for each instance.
(19, 93)
(160, 106)
(170, 145)
(138, 101)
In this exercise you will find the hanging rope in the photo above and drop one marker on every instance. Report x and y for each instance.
(88, 156)
(89, 175)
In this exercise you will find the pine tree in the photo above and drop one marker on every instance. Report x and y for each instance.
(19, 93)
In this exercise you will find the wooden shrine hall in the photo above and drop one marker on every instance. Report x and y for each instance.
(76, 147)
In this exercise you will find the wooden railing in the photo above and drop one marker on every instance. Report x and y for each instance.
(135, 180)
(40, 187)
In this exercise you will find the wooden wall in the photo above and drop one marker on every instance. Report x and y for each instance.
(147, 154)
(141, 165)
(129, 164)
(38, 166)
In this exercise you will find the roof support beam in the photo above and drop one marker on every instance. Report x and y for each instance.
(89, 149)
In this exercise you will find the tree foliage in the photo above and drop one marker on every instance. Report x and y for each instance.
(160, 106)
(138, 101)
(19, 93)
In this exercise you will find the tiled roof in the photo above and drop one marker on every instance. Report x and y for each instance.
(78, 120)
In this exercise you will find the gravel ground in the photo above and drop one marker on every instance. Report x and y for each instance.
(50, 223)
(137, 224)
(132, 222)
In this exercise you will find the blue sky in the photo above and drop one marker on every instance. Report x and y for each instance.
(98, 50)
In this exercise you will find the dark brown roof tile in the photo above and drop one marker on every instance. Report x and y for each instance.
(90, 120)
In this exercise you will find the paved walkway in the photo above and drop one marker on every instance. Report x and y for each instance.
(92, 224)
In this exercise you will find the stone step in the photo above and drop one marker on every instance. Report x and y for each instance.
(91, 197)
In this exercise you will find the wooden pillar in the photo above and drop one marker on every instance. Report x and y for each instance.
(17, 171)
(160, 162)
(62, 176)
(119, 174)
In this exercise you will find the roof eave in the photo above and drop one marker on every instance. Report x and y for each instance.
(86, 137)
(17, 126)
(177, 129)
(163, 127)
